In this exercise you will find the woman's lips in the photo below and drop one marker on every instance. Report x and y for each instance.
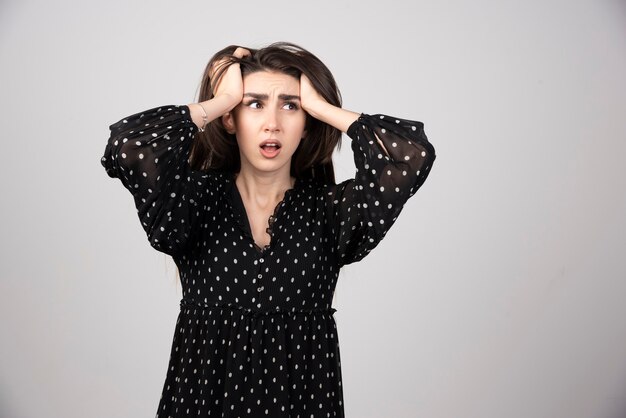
(270, 148)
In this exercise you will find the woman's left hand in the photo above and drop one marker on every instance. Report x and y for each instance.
(310, 99)
(315, 105)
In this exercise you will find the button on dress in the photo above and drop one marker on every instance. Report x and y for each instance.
(256, 336)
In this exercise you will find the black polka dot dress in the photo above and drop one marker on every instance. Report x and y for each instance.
(256, 336)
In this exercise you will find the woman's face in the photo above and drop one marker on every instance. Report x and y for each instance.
(268, 123)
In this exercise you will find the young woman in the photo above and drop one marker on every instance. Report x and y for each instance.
(239, 189)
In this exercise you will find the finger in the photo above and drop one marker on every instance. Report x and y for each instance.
(241, 52)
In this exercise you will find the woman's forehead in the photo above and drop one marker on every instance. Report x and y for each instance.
(266, 82)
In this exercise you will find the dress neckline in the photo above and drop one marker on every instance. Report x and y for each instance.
(241, 214)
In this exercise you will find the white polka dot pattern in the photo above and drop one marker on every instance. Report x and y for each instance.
(256, 334)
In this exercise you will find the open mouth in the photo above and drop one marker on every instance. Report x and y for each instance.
(270, 149)
(270, 146)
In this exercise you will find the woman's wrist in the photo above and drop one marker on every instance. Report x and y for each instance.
(335, 116)
(207, 111)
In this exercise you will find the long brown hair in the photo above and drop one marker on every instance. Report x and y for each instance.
(216, 149)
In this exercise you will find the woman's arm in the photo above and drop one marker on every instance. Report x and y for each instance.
(364, 208)
(392, 157)
(148, 152)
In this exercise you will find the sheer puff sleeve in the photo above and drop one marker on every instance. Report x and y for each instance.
(149, 152)
(364, 208)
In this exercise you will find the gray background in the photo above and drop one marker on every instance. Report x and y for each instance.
(500, 290)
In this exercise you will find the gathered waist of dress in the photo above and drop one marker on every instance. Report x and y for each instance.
(192, 303)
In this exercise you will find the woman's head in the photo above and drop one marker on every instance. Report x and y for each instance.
(218, 149)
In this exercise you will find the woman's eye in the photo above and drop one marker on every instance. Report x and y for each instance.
(291, 106)
(254, 105)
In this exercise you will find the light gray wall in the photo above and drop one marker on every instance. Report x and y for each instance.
(498, 293)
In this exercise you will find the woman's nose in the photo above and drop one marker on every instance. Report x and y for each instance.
(271, 121)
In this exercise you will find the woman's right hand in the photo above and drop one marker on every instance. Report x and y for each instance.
(231, 82)
(226, 94)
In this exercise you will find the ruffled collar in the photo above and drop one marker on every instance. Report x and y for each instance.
(238, 210)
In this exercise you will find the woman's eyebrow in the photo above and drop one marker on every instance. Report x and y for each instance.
(260, 96)
(289, 97)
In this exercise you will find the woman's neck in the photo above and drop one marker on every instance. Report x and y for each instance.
(263, 190)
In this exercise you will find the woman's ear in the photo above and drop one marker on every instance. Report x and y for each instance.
(228, 122)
